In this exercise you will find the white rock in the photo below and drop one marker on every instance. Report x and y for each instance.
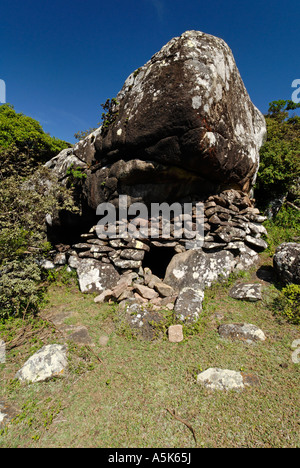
(188, 305)
(221, 379)
(74, 261)
(60, 259)
(241, 331)
(94, 276)
(246, 291)
(296, 353)
(48, 362)
(47, 265)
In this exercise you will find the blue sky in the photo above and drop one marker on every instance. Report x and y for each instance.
(61, 59)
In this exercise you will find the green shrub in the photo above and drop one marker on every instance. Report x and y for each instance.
(21, 290)
(279, 170)
(24, 203)
(26, 135)
(75, 175)
(284, 227)
(287, 304)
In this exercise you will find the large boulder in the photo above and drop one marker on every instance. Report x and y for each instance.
(185, 116)
(286, 262)
(197, 269)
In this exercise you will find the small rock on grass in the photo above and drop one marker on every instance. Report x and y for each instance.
(50, 361)
(296, 353)
(103, 340)
(225, 379)
(81, 336)
(247, 292)
(7, 413)
(175, 333)
(241, 331)
(104, 296)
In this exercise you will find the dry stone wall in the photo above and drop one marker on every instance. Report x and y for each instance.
(117, 268)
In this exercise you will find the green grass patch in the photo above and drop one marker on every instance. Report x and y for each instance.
(123, 400)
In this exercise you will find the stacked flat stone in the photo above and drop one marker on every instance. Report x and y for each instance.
(231, 224)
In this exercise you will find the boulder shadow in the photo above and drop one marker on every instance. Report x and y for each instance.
(267, 273)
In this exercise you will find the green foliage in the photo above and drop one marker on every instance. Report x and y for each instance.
(279, 110)
(111, 113)
(61, 276)
(20, 290)
(136, 72)
(169, 318)
(287, 304)
(28, 192)
(24, 137)
(81, 135)
(285, 227)
(23, 207)
(75, 174)
(279, 171)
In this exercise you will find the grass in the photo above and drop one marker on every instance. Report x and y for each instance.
(123, 401)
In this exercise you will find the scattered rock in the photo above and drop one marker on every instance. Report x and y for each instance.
(241, 331)
(175, 333)
(145, 292)
(286, 262)
(7, 413)
(50, 361)
(296, 353)
(74, 261)
(81, 336)
(104, 296)
(60, 259)
(250, 379)
(247, 292)
(94, 276)
(58, 317)
(142, 319)
(103, 340)
(164, 289)
(221, 379)
(224, 379)
(47, 265)
(188, 305)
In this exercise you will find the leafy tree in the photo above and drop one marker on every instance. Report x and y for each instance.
(82, 134)
(28, 191)
(23, 142)
(279, 171)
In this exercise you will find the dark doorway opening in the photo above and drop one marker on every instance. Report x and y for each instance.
(158, 259)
